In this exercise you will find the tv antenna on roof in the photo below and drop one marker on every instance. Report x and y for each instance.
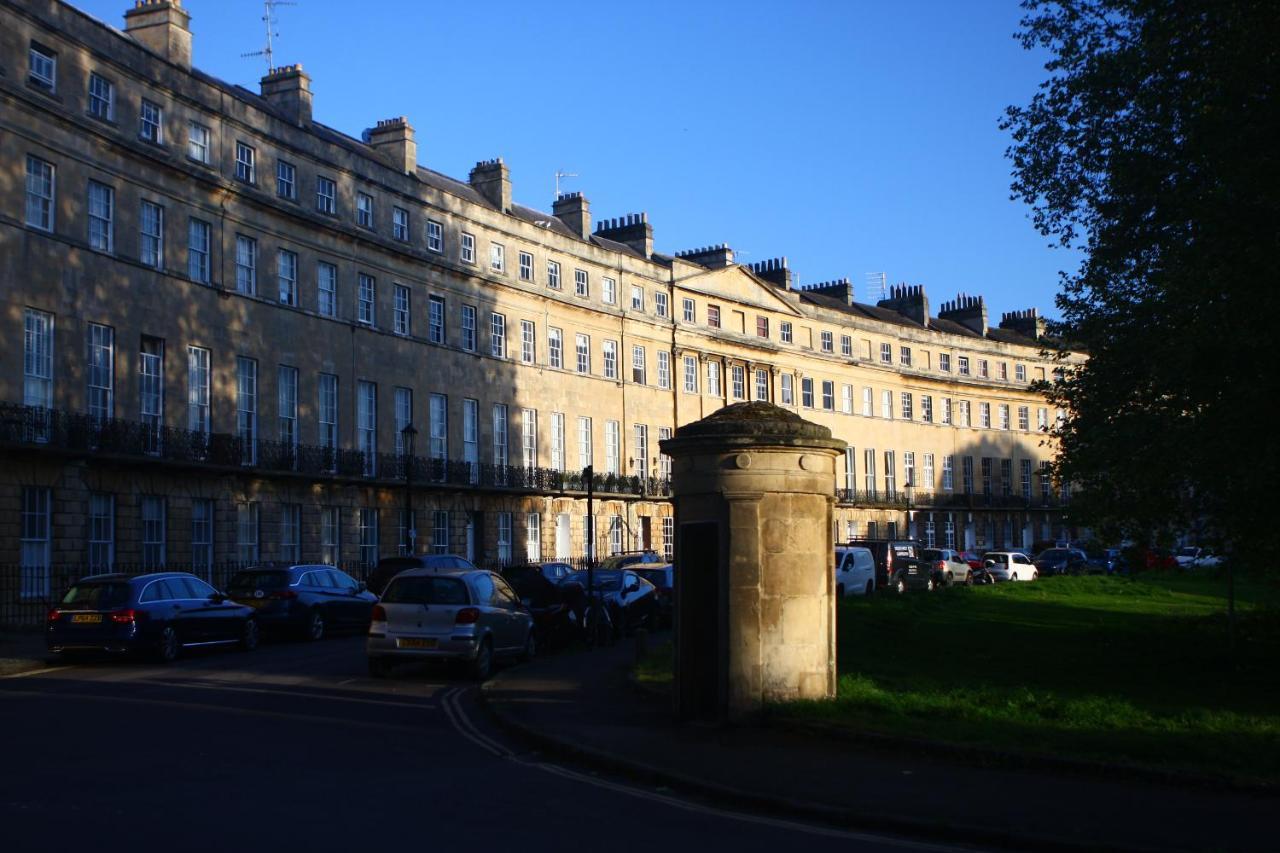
(269, 19)
(563, 174)
(877, 285)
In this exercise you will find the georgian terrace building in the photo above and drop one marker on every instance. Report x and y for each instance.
(231, 333)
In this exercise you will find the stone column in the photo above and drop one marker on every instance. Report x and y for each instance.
(753, 489)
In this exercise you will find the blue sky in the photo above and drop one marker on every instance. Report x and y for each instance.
(852, 137)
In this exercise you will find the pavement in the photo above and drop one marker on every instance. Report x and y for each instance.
(583, 706)
(21, 651)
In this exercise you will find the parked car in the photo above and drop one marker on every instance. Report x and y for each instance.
(973, 558)
(855, 571)
(389, 567)
(629, 558)
(948, 567)
(1191, 557)
(309, 600)
(160, 613)
(472, 617)
(1061, 561)
(894, 557)
(538, 589)
(629, 600)
(1010, 566)
(663, 579)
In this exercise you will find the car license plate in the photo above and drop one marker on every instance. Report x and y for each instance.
(415, 642)
(86, 618)
(911, 571)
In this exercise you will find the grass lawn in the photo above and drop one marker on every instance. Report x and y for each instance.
(1133, 670)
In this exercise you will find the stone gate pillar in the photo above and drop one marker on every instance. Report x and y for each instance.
(753, 487)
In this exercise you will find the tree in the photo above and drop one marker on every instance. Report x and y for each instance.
(1153, 146)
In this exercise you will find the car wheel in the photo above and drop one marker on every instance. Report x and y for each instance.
(530, 648)
(968, 579)
(871, 587)
(900, 586)
(1035, 576)
(839, 590)
(1013, 576)
(483, 663)
(931, 586)
(249, 635)
(315, 625)
(169, 645)
(950, 579)
(378, 667)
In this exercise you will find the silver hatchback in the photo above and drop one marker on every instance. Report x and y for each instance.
(472, 617)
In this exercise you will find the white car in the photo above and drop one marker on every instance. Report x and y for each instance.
(1010, 566)
(1192, 557)
(855, 571)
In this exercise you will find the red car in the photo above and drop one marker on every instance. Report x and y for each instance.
(972, 558)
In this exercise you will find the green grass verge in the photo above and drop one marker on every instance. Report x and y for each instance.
(1107, 668)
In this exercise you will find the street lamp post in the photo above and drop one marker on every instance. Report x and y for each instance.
(409, 433)
(589, 474)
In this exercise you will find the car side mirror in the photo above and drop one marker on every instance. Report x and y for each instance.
(217, 598)
(988, 563)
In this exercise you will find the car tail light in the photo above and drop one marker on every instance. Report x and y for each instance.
(124, 617)
(54, 615)
(379, 613)
(284, 594)
(941, 565)
(467, 616)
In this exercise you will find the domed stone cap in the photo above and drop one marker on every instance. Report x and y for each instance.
(758, 420)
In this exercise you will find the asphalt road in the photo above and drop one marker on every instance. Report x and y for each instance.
(294, 747)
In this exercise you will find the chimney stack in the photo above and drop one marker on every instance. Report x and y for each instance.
(713, 257)
(840, 288)
(164, 27)
(288, 89)
(775, 271)
(631, 230)
(968, 311)
(909, 300)
(574, 211)
(393, 139)
(492, 180)
(1028, 323)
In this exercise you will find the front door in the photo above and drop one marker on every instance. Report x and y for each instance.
(646, 541)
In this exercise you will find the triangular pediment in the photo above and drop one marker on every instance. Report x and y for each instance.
(738, 284)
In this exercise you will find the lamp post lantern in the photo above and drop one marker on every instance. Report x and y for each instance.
(409, 433)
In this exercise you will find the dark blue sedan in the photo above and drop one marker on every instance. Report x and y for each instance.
(308, 600)
(160, 613)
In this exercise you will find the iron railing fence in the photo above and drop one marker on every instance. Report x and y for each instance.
(82, 434)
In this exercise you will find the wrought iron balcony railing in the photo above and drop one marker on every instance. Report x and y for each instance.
(72, 432)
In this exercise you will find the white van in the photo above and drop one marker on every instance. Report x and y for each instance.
(855, 571)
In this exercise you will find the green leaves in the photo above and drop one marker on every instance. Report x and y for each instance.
(1153, 144)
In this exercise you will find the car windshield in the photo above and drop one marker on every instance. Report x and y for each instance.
(97, 596)
(657, 577)
(605, 581)
(426, 590)
(270, 579)
(1187, 552)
